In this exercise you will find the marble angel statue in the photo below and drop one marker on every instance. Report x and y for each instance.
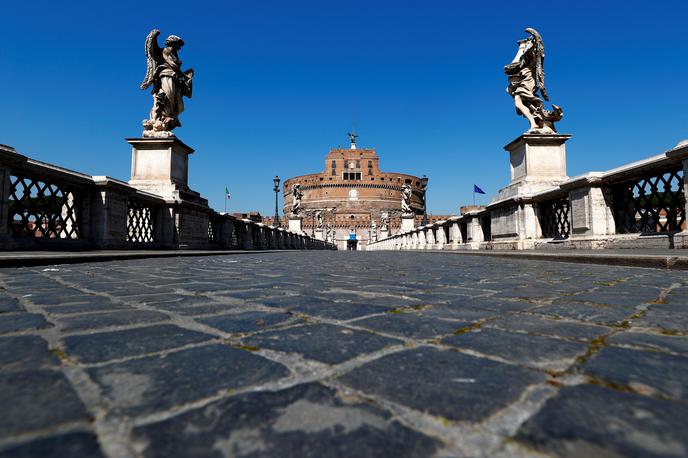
(406, 200)
(170, 84)
(526, 79)
(296, 196)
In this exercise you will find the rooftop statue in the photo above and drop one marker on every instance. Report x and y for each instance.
(170, 85)
(526, 78)
(296, 196)
(406, 200)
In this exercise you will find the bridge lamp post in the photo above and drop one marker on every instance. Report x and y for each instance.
(276, 182)
(424, 188)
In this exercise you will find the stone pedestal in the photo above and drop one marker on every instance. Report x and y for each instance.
(407, 223)
(319, 234)
(537, 162)
(161, 166)
(384, 233)
(295, 224)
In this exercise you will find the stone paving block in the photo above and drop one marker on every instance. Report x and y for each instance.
(304, 421)
(37, 399)
(246, 321)
(9, 304)
(167, 301)
(647, 372)
(103, 346)
(459, 312)
(549, 327)
(71, 445)
(22, 322)
(22, 352)
(410, 325)
(677, 296)
(103, 320)
(86, 307)
(591, 421)
(156, 383)
(339, 310)
(321, 342)
(453, 385)
(597, 314)
(674, 344)
(520, 348)
(623, 296)
(669, 321)
(492, 303)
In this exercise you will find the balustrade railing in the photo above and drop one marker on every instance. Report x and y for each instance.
(651, 204)
(42, 205)
(43, 208)
(140, 222)
(555, 221)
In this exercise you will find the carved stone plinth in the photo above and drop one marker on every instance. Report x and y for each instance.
(319, 234)
(295, 224)
(407, 222)
(384, 233)
(161, 166)
(537, 162)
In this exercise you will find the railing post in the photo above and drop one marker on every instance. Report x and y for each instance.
(591, 207)
(474, 230)
(429, 238)
(9, 157)
(441, 238)
(108, 214)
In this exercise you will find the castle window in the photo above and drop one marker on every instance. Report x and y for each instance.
(370, 164)
(334, 164)
(358, 164)
(334, 173)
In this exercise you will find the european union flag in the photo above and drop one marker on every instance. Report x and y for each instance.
(477, 189)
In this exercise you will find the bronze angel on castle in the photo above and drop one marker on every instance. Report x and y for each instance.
(526, 77)
(170, 85)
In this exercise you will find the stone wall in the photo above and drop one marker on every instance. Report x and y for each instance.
(638, 205)
(43, 206)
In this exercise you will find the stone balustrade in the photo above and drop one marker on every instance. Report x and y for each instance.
(638, 205)
(43, 206)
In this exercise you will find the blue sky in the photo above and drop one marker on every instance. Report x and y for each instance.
(280, 82)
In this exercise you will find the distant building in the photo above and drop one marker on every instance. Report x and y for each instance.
(352, 192)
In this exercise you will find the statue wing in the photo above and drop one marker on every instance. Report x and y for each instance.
(153, 58)
(539, 55)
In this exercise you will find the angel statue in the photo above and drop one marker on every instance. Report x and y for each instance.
(406, 200)
(373, 231)
(296, 196)
(170, 85)
(526, 77)
(319, 219)
(384, 221)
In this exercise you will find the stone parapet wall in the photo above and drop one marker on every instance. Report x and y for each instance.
(43, 206)
(638, 205)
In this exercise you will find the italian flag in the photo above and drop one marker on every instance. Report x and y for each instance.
(227, 194)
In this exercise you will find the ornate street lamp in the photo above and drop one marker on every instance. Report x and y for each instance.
(276, 182)
(424, 187)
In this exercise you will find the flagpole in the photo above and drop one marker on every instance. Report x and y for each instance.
(225, 199)
(474, 196)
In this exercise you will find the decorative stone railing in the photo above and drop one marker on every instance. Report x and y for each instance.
(48, 207)
(642, 204)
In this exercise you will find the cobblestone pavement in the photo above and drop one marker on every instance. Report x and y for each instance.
(343, 354)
